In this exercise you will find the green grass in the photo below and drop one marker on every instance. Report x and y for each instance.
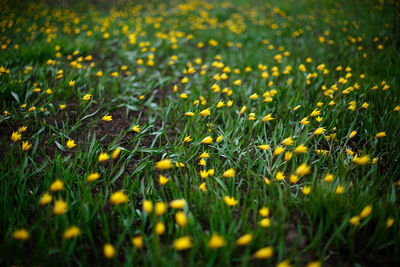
(48, 46)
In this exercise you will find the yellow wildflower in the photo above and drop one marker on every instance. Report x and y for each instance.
(118, 198)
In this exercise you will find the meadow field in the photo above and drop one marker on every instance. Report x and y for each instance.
(199, 133)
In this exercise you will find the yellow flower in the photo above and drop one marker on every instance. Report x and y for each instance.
(205, 112)
(103, 157)
(164, 164)
(137, 241)
(306, 190)
(329, 178)
(300, 149)
(57, 185)
(203, 187)
(366, 212)
(278, 150)
(230, 201)
(204, 155)
(181, 219)
(389, 222)
(293, 178)
(237, 82)
(60, 207)
(220, 104)
(148, 206)
(264, 253)
(136, 128)
(118, 198)
(189, 114)
(116, 153)
(265, 223)
(315, 113)
(244, 240)
(305, 121)
(163, 180)
(71, 232)
(268, 118)
(303, 169)
(288, 155)
(184, 80)
(339, 190)
(207, 140)
(219, 138)
(263, 147)
(381, 134)
(264, 211)
(49, 91)
(15, 136)
(187, 139)
(361, 161)
(229, 173)
(287, 141)
(177, 204)
(159, 228)
(183, 243)
(183, 96)
(93, 177)
(314, 264)
(62, 106)
(355, 220)
(279, 176)
(22, 129)
(87, 97)
(20, 234)
(45, 199)
(254, 96)
(161, 207)
(109, 251)
(319, 131)
(243, 109)
(71, 83)
(107, 117)
(216, 241)
(284, 264)
(70, 143)
(26, 146)
(352, 134)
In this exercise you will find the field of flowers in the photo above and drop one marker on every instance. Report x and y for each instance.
(198, 132)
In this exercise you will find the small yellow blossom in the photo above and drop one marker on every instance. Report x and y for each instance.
(148, 206)
(159, 228)
(103, 157)
(207, 140)
(57, 185)
(137, 242)
(116, 153)
(71, 144)
(87, 97)
(71, 232)
(264, 211)
(60, 207)
(183, 243)
(93, 177)
(301, 149)
(263, 147)
(177, 204)
(164, 164)
(230, 201)
(136, 128)
(264, 253)
(381, 134)
(205, 112)
(229, 173)
(45, 199)
(20, 234)
(244, 240)
(366, 212)
(355, 220)
(118, 198)
(25, 146)
(306, 190)
(265, 223)
(216, 241)
(107, 117)
(163, 180)
(15, 136)
(160, 208)
(109, 251)
(181, 219)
